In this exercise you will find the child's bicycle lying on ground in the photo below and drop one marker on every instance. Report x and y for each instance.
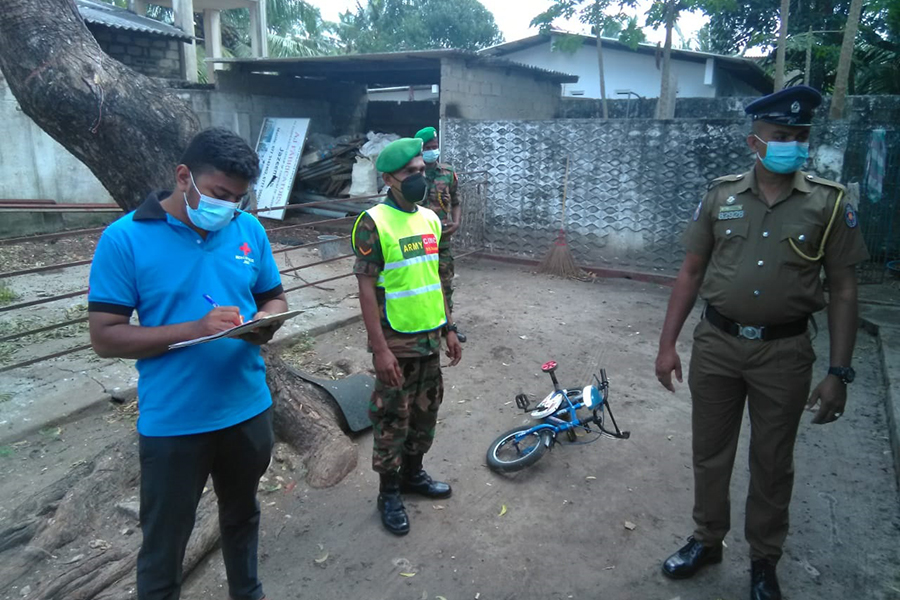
(525, 445)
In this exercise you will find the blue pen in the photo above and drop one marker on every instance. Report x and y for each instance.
(215, 304)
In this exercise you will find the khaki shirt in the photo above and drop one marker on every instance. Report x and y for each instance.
(754, 276)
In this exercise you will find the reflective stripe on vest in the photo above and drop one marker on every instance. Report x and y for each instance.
(414, 299)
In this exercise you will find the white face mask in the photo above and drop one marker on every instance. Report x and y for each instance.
(211, 214)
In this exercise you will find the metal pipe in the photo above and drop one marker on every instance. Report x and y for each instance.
(21, 334)
(50, 236)
(310, 244)
(44, 268)
(316, 203)
(312, 283)
(42, 301)
(43, 358)
(321, 262)
(312, 224)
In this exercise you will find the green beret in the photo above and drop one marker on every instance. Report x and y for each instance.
(427, 134)
(397, 154)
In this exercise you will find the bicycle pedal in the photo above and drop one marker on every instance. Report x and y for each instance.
(522, 402)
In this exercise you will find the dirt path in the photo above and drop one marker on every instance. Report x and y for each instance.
(562, 535)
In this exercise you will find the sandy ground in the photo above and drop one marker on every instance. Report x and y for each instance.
(563, 534)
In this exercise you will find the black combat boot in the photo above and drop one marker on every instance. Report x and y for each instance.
(414, 479)
(390, 505)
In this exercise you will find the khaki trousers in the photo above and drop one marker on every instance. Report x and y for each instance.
(774, 378)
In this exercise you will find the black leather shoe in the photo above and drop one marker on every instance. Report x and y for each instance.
(461, 337)
(390, 505)
(414, 480)
(691, 558)
(763, 581)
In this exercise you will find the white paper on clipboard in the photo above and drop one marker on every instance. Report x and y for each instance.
(279, 147)
(240, 330)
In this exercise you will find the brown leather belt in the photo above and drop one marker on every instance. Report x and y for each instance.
(750, 332)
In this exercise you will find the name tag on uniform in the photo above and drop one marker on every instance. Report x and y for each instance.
(419, 245)
(731, 212)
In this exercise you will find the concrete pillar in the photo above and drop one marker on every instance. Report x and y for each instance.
(212, 29)
(258, 29)
(138, 7)
(184, 19)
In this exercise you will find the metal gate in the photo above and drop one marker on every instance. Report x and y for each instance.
(873, 161)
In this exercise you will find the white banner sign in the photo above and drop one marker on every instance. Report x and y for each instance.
(279, 148)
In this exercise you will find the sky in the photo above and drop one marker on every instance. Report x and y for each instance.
(513, 17)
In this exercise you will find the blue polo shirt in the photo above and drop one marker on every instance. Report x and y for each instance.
(150, 262)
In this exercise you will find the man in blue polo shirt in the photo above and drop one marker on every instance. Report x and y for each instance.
(205, 409)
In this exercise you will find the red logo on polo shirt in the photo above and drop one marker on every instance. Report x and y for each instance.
(245, 257)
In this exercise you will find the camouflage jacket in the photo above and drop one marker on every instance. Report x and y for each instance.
(443, 194)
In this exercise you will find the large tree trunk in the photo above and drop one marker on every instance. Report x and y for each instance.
(782, 41)
(665, 107)
(842, 78)
(127, 128)
(602, 77)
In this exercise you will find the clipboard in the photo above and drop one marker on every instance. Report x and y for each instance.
(240, 330)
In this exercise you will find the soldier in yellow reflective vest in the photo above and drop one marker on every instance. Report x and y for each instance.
(405, 313)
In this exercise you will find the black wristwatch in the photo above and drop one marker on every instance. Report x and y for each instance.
(452, 327)
(846, 374)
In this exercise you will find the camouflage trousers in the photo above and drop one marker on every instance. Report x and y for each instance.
(404, 418)
(446, 271)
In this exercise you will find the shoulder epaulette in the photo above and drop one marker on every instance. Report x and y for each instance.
(725, 179)
(828, 182)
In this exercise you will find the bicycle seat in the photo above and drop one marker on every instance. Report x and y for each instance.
(549, 366)
(548, 406)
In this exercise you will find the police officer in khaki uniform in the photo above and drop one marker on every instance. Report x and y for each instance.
(755, 249)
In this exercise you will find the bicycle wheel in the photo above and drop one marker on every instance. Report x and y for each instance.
(505, 455)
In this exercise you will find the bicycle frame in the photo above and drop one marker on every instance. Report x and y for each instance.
(556, 425)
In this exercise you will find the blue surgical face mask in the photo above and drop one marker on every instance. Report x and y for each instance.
(784, 157)
(431, 156)
(211, 214)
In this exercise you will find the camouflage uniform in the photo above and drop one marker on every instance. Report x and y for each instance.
(443, 195)
(404, 418)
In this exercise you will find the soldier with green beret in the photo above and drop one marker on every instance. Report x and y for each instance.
(443, 199)
(756, 247)
(405, 313)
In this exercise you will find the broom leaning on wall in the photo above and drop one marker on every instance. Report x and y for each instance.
(559, 260)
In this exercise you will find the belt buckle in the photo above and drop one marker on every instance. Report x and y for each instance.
(750, 333)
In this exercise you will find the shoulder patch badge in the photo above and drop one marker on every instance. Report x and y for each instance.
(697, 212)
(850, 216)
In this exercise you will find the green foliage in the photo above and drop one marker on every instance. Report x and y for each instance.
(597, 14)
(632, 34)
(394, 25)
(6, 294)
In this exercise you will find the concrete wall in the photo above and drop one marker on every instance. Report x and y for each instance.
(147, 54)
(860, 109)
(34, 166)
(632, 185)
(473, 92)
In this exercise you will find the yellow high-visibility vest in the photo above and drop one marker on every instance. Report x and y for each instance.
(414, 300)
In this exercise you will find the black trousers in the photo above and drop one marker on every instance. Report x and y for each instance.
(174, 471)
